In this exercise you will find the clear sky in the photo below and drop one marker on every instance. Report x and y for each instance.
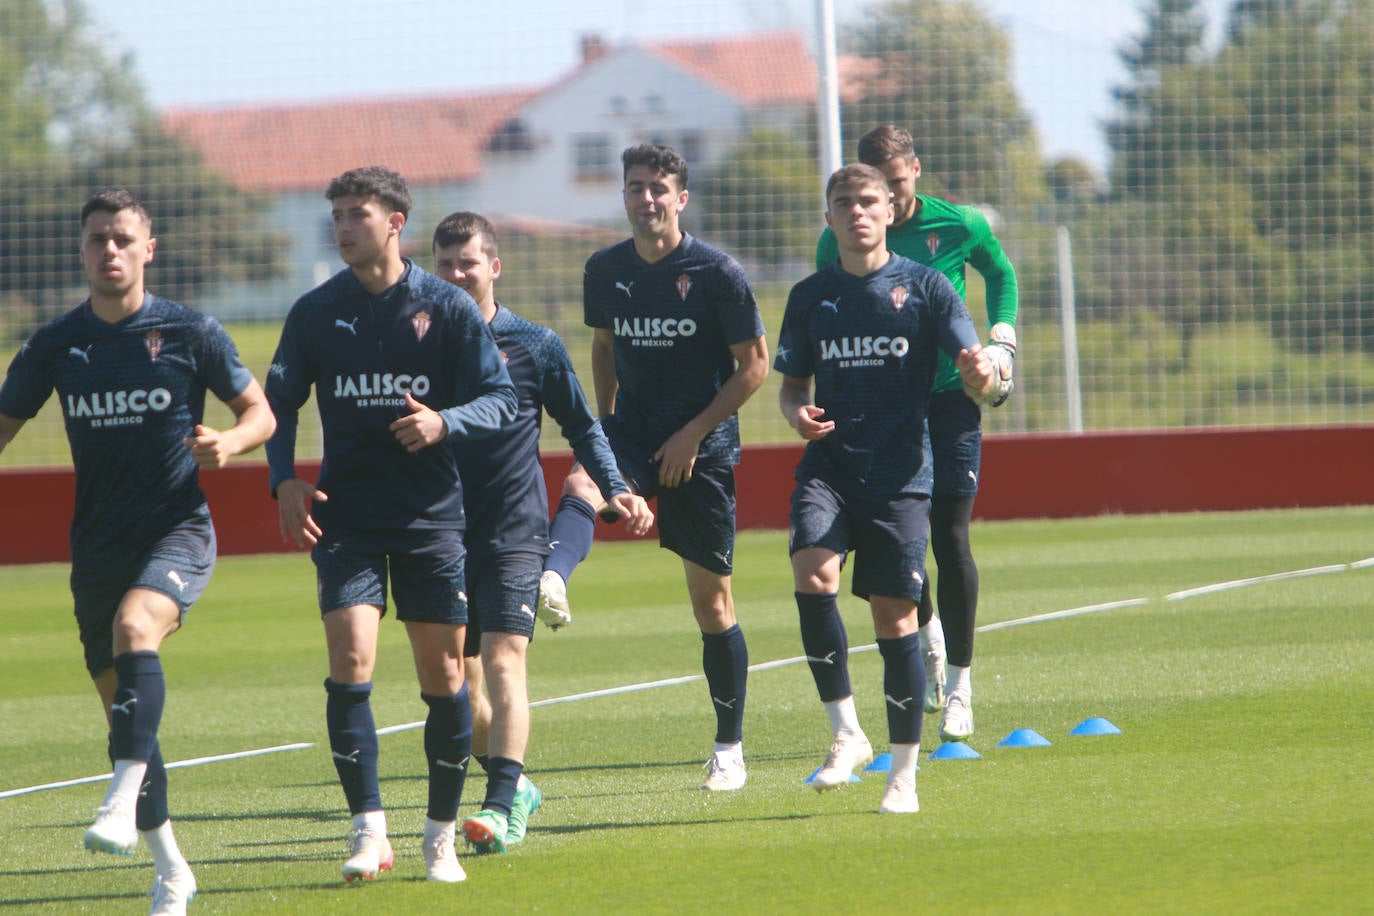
(191, 53)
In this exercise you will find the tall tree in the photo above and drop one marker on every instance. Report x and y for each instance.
(942, 70)
(1248, 15)
(1286, 118)
(73, 119)
(1173, 37)
(1258, 178)
(762, 202)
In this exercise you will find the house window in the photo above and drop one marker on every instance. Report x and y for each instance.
(691, 145)
(511, 137)
(654, 102)
(619, 105)
(593, 157)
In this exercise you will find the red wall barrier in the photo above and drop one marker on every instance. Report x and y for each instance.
(1036, 476)
(1195, 471)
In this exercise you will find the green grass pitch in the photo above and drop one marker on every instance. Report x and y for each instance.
(1240, 782)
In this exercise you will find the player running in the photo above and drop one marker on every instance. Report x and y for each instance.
(866, 331)
(507, 538)
(403, 366)
(678, 349)
(947, 237)
(131, 371)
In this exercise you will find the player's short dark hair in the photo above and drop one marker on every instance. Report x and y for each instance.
(662, 159)
(857, 175)
(113, 200)
(459, 228)
(885, 142)
(376, 181)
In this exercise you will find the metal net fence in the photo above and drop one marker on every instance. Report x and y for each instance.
(1203, 257)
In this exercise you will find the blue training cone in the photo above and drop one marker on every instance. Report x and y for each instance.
(882, 764)
(852, 777)
(1095, 726)
(955, 750)
(1024, 737)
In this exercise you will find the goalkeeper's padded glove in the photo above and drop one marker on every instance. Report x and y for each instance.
(1001, 349)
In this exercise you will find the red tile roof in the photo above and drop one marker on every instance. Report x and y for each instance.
(429, 140)
(773, 68)
(291, 147)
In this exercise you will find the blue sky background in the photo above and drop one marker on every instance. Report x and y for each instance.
(194, 53)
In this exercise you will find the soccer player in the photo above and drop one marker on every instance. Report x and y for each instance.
(678, 348)
(867, 331)
(402, 365)
(507, 538)
(946, 236)
(131, 370)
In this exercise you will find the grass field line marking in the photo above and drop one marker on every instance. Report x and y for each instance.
(761, 666)
(570, 698)
(1060, 615)
(986, 628)
(870, 647)
(798, 659)
(191, 762)
(11, 793)
(616, 691)
(1259, 580)
(240, 755)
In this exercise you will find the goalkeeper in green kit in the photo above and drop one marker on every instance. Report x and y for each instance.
(947, 237)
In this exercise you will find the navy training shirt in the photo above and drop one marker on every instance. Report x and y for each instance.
(362, 353)
(674, 322)
(503, 480)
(871, 346)
(130, 392)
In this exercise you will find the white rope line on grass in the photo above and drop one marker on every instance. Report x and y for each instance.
(1060, 615)
(177, 764)
(55, 785)
(1260, 580)
(761, 666)
(574, 697)
(239, 755)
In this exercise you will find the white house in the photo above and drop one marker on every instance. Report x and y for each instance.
(545, 156)
(558, 154)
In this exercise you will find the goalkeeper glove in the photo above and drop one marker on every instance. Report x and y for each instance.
(1001, 349)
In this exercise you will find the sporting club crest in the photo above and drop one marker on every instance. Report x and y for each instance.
(152, 342)
(933, 243)
(421, 324)
(684, 286)
(899, 295)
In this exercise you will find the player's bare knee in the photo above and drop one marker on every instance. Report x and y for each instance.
(716, 616)
(893, 618)
(441, 682)
(813, 583)
(130, 630)
(579, 484)
(350, 662)
(140, 629)
(503, 655)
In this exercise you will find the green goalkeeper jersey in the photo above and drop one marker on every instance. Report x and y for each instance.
(947, 236)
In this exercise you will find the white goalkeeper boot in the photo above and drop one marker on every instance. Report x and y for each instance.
(725, 770)
(553, 606)
(848, 753)
(957, 722)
